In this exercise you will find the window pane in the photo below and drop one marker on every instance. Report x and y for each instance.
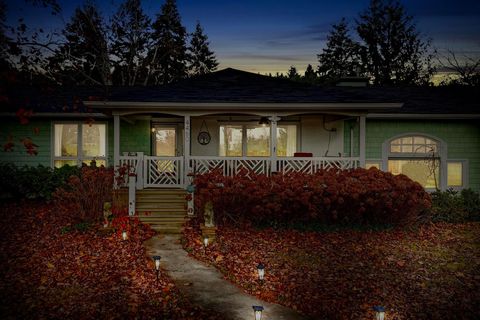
(98, 162)
(165, 142)
(230, 141)
(258, 141)
(454, 177)
(395, 148)
(286, 140)
(61, 163)
(418, 170)
(66, 140)
(93, 140)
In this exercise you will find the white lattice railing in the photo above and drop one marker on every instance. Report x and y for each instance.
(135, 165)
(163, 171)
(312, 165)
(231, 166)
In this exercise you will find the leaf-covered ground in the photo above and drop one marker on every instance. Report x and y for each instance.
(45, 274)
(430, 273)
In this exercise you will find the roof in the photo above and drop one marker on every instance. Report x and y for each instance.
(231, 86)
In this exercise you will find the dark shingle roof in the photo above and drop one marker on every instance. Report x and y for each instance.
(231, 85)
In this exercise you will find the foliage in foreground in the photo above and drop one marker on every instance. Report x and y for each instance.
(32, 182)
(86, 193)
(328, 197)
(80, 274)
(430, 273)
(456, 206)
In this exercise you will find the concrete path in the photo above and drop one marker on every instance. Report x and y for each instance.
(205, 286)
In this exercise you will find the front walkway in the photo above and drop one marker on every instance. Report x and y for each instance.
(205, 286)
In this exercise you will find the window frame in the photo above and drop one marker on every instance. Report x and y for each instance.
(440, 154)
(79, 158)
(250, 124)
(465, 174)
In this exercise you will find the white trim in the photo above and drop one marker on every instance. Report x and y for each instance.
(242, 105)
(362, 144)
(423, 116)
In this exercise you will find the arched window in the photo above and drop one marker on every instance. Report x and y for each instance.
(416, 156)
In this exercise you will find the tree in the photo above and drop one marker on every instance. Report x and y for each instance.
(168, 54)
(394, 52)
(292, 73)
(84, 58)
(341, 57)
(202, 60)
(130, 34)
(310, 74)
(466, 69)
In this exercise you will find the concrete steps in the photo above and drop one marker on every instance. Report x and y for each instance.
(165, 210)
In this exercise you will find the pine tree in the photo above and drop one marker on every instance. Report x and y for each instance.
(394, 51)
(292, 73)
(84, 56)
(168, 55)
(202, 60)
(130, 31)
(310, 74)
(341, 56)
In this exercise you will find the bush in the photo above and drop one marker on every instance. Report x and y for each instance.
(454, 206)
(84, 195)
(328, 197)
(37, 183)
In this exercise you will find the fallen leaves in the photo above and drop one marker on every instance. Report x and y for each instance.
(80, 274)
(430, 273)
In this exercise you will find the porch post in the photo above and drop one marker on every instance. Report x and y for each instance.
(186, 148)
(273, 142)
(116, 140)
(362, 141)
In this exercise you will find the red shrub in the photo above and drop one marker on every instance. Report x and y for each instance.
(83, 197)
(357, 196)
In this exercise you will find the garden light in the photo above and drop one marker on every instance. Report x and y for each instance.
(379, 312)
(261, 271)
(257, 310)
(157, 262)
(124, 235)
(205, 241)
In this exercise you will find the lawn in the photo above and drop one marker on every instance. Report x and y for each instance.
(429, 273)
(50, 271)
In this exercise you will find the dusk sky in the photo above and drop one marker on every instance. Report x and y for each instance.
(272, 35)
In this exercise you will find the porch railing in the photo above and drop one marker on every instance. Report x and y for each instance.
(163, 171)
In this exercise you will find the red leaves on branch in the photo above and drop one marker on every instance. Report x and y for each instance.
(24, 115)
(8, 146)
(429, 273)
(30, 147)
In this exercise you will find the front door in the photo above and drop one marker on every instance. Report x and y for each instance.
(167, 140)
(165, 167)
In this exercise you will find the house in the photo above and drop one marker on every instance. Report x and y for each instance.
(233, 120)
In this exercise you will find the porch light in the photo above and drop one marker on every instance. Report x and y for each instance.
(379, 312)
(261, 271)
(263, 121)
(153, 130)
(257, 310)
(124, 235)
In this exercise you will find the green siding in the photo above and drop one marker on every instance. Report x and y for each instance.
(351, 124)
(19, 156)
(462, 138)
(134, 137)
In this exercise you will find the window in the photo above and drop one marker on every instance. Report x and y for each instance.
(254, 140)
(76, 143)
(456, 172)
(417, 157)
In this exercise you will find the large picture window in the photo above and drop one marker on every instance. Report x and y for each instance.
(417, 157)
(77, 143)
(254, 140)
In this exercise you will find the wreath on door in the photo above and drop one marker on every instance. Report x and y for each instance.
(204, 137)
